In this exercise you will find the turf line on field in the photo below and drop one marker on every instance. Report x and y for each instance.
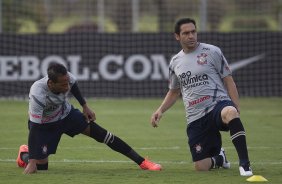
(147, 148)
(128, 161)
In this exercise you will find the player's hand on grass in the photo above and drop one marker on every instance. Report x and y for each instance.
(31, 167)
(156, 116)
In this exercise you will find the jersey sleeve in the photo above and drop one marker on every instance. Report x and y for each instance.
(36, 105)
(221, 64)
(173, 80)
(72, 79)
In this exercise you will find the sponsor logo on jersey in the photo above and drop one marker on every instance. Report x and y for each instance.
(51, 115)
(189, 81)
(50, 107)
(35, 115)
(199, 100)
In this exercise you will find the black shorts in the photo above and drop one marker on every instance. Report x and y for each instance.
(204, 133)
(44, 138)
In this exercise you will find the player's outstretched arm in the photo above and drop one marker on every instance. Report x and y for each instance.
(171, 97)
(88, 113)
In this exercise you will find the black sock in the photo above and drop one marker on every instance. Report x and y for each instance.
(135, 157)
(115, 143)
(42, 166)
(238, 137)
(120, 146)
(217, 161)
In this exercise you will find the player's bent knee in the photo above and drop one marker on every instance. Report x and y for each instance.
(199, 166)
(228, 113)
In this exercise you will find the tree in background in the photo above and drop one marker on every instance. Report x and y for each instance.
(121, 14)
(16, 12)
(216, 10)
(10, 15)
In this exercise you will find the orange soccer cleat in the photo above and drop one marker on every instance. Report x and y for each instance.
(23, 149)
(148, 165)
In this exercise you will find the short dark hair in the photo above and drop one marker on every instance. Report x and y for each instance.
(55, 70)
(183, 21)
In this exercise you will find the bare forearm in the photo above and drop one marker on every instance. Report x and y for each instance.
(232, 91)
(170, 99)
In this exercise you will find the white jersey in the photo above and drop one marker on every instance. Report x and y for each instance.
(45, 106)
(199, 76)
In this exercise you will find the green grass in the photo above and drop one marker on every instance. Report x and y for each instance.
(82, 160)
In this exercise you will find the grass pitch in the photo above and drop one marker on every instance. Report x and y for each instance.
(83, 160)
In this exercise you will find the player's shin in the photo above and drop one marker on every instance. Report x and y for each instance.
(238, 137)
(115, 143)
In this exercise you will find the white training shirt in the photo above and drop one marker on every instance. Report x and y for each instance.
(45, 106)
(199, 76)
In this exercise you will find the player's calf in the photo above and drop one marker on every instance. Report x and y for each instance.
(103, 136)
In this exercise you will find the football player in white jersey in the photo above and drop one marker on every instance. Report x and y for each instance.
(200, 73)
(51, 115)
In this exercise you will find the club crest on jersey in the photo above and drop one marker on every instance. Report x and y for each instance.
(198, 148)
(202, 59)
